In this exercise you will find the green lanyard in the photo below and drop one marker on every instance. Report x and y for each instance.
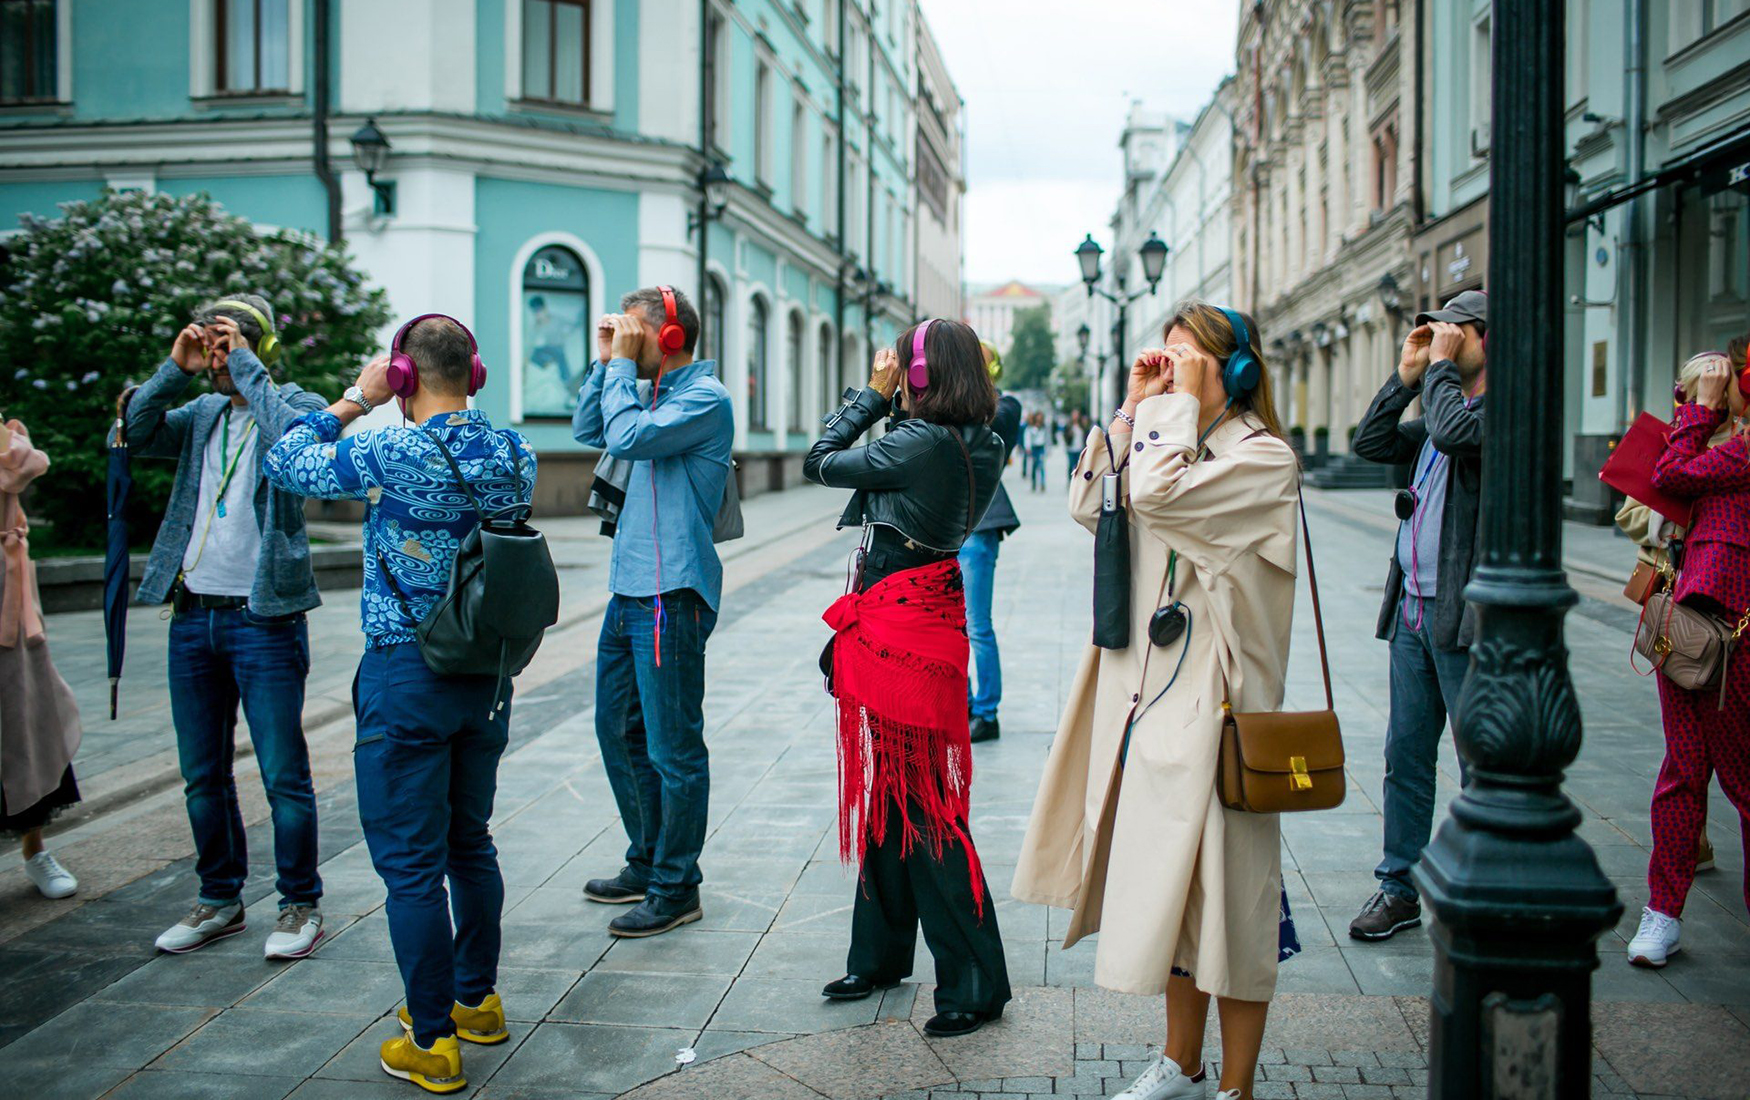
(229, 460)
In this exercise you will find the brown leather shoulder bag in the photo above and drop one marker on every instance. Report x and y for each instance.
(1277, 762)
(1690, 647)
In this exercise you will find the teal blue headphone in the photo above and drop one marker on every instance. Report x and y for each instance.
(1241, 371)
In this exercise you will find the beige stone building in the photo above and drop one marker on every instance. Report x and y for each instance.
(1324, 201)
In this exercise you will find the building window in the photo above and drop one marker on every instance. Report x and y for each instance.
(1695, 20)
(762, 123)
(711, 341)
(555, 330)
(556, 49)
(829, 174)
(793, 370)
(28, 51)
(253, 54)
(1481, 94)
(799, 158)
(829, 397)
(717, 60)
(757, 317)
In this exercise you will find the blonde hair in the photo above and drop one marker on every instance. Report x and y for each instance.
(1689, 374)
(1214, 333)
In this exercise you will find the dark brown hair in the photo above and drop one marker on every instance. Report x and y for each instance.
(960, 389)
(440, 349)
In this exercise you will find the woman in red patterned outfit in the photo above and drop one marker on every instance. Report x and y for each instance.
(1702, 736)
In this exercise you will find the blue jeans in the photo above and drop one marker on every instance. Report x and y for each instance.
(1036, 475)
(218, 659)
(650, 723)
(978, 565)
(1425, 685)
(427, 769)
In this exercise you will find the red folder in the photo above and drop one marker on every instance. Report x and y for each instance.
(1629, 469)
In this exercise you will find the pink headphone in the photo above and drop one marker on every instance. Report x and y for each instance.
(918, 374)
(403, 372)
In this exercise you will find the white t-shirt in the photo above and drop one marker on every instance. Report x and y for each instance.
(223, 549)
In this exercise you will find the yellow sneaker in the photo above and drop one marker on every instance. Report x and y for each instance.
(436, 1070)
(484, 1023)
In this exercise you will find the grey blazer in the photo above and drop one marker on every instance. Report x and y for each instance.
(283, 582)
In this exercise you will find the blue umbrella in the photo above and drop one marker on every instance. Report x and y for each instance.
(118, 485)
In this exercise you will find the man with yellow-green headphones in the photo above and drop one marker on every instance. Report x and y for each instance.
(978, 564)
(232, 560)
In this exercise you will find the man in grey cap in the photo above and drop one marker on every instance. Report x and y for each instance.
(1424, 617)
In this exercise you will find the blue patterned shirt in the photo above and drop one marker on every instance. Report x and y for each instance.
(416, 515)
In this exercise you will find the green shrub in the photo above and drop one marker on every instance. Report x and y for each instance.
(90, 302)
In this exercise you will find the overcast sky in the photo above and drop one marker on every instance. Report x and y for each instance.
(1047, 85)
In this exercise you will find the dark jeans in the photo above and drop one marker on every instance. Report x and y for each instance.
(897, 893)
(427, 768)
(978, 564)
(658, 767)
(216, 660)
(1425, 684)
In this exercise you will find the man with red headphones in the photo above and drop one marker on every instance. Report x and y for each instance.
(666, 581)
(428, 746)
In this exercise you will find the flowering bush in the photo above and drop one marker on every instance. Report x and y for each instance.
(91, 301)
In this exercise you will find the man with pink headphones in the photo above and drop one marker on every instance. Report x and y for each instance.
(667, 582)
(428, 745)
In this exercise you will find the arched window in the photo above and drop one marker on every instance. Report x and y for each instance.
(757, 316)
(555, 328)
(829, 394)
(852, 376)
(793, 369)
(711, 347)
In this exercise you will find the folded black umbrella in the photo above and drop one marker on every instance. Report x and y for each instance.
(118, 485)
(1112, 570)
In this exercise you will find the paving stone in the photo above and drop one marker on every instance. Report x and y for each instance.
(647, 1000)
(129, 1036)
(259, 1041)
(1088, 1050)
(861, 1062)
(1270, 1090)
(1124, 1051)
(1338, 1074)
(592, 1057)
(158, 1085)
(1307, 1057)
(1367, 1092)
(1104, 1068)
(1027, 1084)
(344, 986)
(207, 978)
(1402, 1059)
(1409, 1092)
(1319, 1092)
(789, 1005)
(1354, 1058)
(1030, 1040)
(1285, 1073)
(360, 1060)
(1381, 1075)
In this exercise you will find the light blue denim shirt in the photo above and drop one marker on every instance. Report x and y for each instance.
(679, 450)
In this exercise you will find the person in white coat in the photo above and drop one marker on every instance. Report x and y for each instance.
(1127, 830)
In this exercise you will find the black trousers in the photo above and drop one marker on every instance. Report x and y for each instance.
(896, 893)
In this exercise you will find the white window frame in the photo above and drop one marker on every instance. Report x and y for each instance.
(799, 157)
(63, 63)
(601, 61)
(203, 44)
(762, 120)
(514, 314)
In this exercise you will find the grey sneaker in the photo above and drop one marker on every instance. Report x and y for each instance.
(1384, 916)
(204, 924)
(295, 934)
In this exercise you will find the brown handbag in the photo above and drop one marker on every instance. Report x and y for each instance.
(1278, 762)
(1643, 582)
(1689, 647)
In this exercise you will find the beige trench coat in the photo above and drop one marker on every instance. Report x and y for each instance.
(1146, 855)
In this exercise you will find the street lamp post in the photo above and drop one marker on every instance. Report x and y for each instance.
(1518, 899)
(1154, 261)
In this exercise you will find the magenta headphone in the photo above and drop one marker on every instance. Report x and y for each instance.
(403, 373)
(918, 374)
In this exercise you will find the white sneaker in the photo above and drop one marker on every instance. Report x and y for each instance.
(1656, 939)
(50, 878)
(204, 924)
(295, 934)
(1164, 1080)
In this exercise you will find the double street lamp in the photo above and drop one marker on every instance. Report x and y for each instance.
(1153, 254)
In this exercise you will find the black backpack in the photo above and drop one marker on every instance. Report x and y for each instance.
(503, 595)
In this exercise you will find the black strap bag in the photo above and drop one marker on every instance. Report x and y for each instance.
(503, 595)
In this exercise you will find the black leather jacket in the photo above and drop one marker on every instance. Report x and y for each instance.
(912, 479)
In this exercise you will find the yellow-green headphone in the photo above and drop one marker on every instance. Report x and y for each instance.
(268, 350)
(995, 366)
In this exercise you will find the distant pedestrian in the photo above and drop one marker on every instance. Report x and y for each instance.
(1036, 438)
(428, 747)
(1707, 731)
(978, 564)
(1186, 896)
(667, 584)
(1424, 616)
(232, 560)
(897, 665)
(39, 722)
(1075, 437)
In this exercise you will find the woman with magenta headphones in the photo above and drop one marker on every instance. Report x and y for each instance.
(897, 666)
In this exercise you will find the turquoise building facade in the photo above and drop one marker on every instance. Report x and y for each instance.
(545, 157)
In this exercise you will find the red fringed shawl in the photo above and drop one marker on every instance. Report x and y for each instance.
(899, 675)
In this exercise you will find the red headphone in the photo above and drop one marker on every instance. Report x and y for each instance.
(403, 372)
(671, 337)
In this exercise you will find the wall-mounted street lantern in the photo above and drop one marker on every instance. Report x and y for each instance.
(370, 151)
(714, 183)
(1391, 296)
(1082, 335)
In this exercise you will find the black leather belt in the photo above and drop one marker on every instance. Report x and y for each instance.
(184, 600)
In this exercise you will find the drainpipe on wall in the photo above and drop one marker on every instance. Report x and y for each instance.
(838, 297)
(1418, 203)
(1631, 270)
(869, 191)
(705, 74)
(323, 66)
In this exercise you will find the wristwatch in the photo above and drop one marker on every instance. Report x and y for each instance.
(357, 396)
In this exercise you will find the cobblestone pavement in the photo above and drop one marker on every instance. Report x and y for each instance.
(87, 1011)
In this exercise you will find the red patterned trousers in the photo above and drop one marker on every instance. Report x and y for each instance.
(1701, 739)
